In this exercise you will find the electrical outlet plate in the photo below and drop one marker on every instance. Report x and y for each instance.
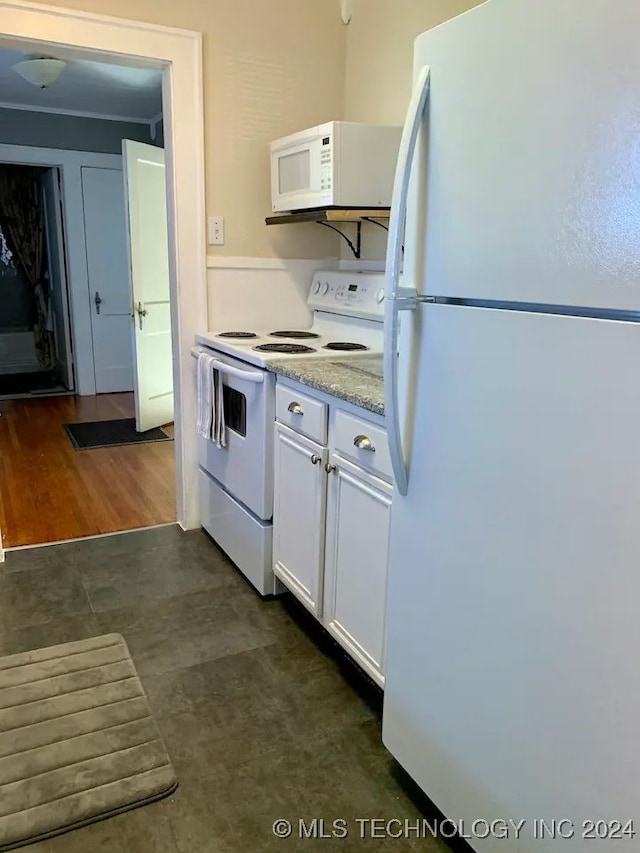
(216, 231)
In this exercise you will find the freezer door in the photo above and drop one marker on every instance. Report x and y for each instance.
(527, 179)
(513, 672)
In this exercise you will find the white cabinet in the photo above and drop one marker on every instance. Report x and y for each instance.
(331, 519)
(299, 515)
(356, 562)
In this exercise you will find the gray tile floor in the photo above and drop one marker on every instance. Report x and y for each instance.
(262, 718)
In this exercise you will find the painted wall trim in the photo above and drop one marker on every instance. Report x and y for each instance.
(179, 54)
(29, 108)
(93, 18)
(231, 262)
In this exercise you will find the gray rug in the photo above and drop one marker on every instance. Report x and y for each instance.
(77, 740)
(90, 435)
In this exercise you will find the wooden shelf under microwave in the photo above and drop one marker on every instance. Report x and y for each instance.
(331, 216)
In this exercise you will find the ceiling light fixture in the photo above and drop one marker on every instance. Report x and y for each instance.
(40, 71)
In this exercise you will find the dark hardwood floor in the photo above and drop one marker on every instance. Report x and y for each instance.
(50, 492)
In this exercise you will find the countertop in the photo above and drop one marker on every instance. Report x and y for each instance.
(356, 380)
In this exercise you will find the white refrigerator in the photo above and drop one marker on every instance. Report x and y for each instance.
(513, 410)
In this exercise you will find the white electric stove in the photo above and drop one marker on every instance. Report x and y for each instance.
(236, 481)
(348, 311)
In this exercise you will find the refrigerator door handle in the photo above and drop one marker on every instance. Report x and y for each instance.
(400, 298)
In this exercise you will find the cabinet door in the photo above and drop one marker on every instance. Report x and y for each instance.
(299, 516)
(356, 562)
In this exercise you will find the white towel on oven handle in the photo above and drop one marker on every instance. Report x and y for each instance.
(206, 398)
(211, 422)
(219, 424)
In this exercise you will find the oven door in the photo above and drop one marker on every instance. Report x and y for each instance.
(244, 468)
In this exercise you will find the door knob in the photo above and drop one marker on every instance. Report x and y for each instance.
(329, 468)
(98, 300)
(142, 312)
(315, 459)
(363, 442)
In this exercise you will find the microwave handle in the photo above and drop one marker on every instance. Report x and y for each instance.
(256, 376)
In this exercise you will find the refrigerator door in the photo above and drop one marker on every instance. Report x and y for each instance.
(513, 673)
(533, 150)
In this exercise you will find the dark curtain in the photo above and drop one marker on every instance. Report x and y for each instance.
(22, 221)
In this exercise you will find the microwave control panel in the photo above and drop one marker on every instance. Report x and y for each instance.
(326, 165)
(356, 294)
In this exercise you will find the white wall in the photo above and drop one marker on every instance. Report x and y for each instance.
(379, 60)
(271, 67)
(379, 68)
(74, 133)
(252, 293)
(255, 293)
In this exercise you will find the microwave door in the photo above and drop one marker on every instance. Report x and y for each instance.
(299, 176)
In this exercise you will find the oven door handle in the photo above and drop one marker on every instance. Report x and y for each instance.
(255, 376)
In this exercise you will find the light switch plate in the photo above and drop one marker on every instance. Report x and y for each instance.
(216, 231)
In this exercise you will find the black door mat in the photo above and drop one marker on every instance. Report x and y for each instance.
(94, 434)
(38, 382)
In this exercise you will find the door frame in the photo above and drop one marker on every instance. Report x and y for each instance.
(71, 164)
(178, 53)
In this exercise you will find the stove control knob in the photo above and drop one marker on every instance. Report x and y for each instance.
(316, 288)
(325, 288)
(380, 295)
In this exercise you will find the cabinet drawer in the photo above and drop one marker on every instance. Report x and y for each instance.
(302, 413)
(350, 430)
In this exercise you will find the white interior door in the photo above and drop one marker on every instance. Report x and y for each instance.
(57, 277)
(108, 273)
(144, 176)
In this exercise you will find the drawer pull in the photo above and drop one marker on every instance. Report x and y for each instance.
(329, 468)
(295, 409)
(363, 442)
(315, 459)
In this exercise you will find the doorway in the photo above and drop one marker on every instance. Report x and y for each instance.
(33, 337)
(178, 54)
(51, 487)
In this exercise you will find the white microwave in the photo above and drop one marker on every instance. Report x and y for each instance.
(337, 164)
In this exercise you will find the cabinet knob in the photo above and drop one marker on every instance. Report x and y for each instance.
(329, 468)
(363, 442)
(295, 409)
(315, 459)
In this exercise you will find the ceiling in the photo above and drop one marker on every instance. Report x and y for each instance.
(86, 87)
